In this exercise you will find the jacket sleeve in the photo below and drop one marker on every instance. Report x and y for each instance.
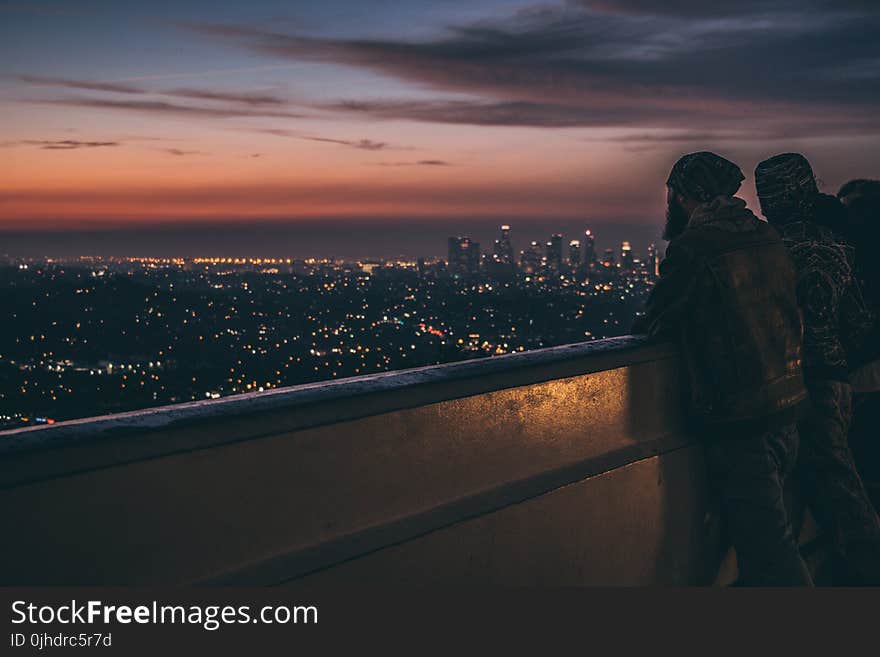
(829, 304)
(819, 296)
(856, 322)
(669, 300)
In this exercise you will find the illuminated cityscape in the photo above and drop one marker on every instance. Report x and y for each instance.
(88, 336)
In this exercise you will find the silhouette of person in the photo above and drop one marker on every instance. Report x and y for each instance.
(861, 228)
(726, 294)
(835, 320)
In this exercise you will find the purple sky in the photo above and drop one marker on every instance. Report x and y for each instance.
(409, 117)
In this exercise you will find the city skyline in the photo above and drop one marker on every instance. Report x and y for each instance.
(121, 116)
(94, 335)
(383, 240)
(463, 253)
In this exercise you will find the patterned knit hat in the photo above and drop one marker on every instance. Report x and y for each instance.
(703, 176)
(860, 188)
(786, 187)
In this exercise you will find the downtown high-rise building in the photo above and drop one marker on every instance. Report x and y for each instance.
(503, 247)
(502, 262)
(626, 256)
(530, 258)
(554, 252)
(589, 249)
(574, 254)
(653, 261)
(608, 259)
(463, 255)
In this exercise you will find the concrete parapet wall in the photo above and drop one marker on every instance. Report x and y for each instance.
(562, 466)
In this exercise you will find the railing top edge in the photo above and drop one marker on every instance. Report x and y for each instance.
(618, 352)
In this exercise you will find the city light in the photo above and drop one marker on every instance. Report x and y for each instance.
(103, 335)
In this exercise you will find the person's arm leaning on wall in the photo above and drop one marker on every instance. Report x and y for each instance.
(669, 300)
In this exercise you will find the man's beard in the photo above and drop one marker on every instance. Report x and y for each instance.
(676, 221)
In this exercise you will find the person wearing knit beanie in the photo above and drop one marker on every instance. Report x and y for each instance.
(836, 325)
(740, 335)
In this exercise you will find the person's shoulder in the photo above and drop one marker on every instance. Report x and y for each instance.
(766, 230)
(695, 242)
(685, 244)
(712, 237)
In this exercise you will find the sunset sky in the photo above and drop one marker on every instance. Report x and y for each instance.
(214, 113)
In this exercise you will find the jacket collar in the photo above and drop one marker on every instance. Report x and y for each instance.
(725, 212)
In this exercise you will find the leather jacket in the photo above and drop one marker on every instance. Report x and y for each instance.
(727, 295)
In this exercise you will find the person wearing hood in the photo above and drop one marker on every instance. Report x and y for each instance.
(861, 228)
(836, 322)
(726, 294)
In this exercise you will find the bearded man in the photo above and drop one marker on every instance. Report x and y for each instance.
(726, 295)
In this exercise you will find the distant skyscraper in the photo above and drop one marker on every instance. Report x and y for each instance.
(589, 255)
(452, 248)
(503, 247)
(608, 260)
(574, 254)
(653, 261)
(530, 259)
(626, 256)
(554, 252)
(463, 255)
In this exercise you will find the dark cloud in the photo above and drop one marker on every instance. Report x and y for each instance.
(682, 140)
(362, 144)
(227, 96)
(62, 144)
(223, 96)
(86, 85)
(744, 125)
(420, 163)
(162, 107)
(815, 65)
(678, 137)
(146, 138)
(512, 113)
(279, 132)
(180, 153)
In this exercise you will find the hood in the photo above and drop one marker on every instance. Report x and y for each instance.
(726, 213)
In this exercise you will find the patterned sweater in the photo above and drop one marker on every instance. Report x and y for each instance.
(836, 318)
